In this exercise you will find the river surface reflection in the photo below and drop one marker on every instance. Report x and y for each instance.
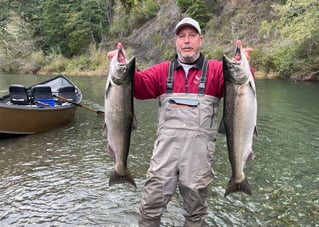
(60, 177)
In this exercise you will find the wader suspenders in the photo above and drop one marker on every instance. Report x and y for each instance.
(170, 78)
(202, 82)
(203, 76)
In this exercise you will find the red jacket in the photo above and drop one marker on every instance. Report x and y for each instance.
(151, 83)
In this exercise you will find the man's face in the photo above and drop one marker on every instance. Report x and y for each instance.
(188, 43)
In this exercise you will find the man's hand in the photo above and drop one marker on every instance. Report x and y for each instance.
(247, 51)
(111, 54)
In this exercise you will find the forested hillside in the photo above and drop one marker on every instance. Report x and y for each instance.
(73, 36)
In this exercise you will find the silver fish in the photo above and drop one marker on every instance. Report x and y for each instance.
(239, 118)
(119, 115)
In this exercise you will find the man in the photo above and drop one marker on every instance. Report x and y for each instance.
(189, 89)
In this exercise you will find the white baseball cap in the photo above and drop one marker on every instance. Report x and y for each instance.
(187, 21)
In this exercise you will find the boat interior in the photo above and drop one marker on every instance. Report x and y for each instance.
(40, 95)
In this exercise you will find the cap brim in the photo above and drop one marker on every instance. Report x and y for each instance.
(184, 25)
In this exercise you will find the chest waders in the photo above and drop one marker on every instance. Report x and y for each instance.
(182, 155)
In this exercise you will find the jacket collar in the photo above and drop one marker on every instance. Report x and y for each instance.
(198, 63)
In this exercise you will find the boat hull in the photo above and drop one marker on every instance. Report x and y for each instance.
(18, 120)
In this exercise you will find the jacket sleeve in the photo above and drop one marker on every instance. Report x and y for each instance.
(151, 82)
(216, 78)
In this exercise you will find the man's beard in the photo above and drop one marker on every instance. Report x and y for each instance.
(188, 58)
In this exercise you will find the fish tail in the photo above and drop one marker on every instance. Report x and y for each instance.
(238, 187)
(115, 178)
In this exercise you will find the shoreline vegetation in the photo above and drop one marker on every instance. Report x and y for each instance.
(305, 76)
(302, 76)
(72, 37)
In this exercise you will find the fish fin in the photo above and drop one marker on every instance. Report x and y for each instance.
(115, 178)
(256, 134)
(250, 156)
(109, 150)
(222, 129)
(237, 187)
(104, 130)
(253, 87)
(107, 87)
(134, 123)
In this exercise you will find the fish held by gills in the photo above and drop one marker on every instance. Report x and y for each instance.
(239, 118)
(119, 115)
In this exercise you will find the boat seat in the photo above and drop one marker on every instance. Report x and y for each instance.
(67, 92)
(41, 92)
(18, 94)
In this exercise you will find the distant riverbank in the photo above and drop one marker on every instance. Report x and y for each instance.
(258, 74)
(306, 76)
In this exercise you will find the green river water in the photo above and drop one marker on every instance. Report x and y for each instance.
(60, 177)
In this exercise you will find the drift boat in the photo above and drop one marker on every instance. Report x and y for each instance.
(40, 107)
